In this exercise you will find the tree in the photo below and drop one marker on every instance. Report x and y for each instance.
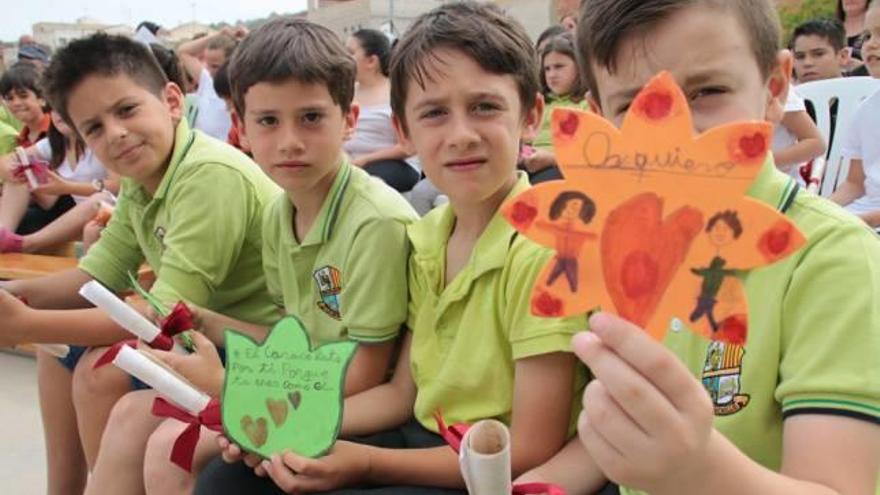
(794, 13)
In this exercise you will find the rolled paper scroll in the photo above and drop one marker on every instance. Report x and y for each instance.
(485, 458)
(163, 379)
(123, 314)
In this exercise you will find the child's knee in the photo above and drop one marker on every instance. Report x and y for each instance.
(160, 474)
(89, 382)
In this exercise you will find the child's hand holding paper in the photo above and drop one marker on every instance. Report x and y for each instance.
(645, 418)
(202, 368)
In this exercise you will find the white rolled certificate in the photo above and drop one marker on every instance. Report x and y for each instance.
(25, 162)
(121, 313)
(162, 378)
(57, 350)
(485, 458)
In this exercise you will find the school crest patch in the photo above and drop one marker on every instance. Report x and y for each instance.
(159, 233)
(329, 282)
(722, 373)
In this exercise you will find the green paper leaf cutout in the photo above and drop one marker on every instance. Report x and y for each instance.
(283, 393)
(152, 300)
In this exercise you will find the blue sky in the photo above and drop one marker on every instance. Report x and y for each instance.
(169, 13)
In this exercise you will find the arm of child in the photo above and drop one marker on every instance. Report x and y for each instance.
(647, 422)
(853, 187)
(385, 406)
(539, 160)
(368, 367)
(542, 401)
(214, 324)
(809, 143)
(572, 469)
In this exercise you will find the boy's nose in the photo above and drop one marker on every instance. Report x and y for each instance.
(461, 134)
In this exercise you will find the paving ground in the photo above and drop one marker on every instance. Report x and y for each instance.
(22, 456)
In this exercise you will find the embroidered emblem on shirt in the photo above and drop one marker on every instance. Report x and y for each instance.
(722, 377)
(329, 282)
(160, 235)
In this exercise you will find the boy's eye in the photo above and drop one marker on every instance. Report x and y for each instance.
(312, 118)
(267, 121)
(92, 129)
(486, 108)
(127, 110)
(432, 113)
(711, 91)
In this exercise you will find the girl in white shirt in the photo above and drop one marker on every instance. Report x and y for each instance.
(70, 197)
(374, 146)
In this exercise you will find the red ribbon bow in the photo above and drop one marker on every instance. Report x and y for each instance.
(185, 445)
(455, 434)
(179, 321)
(39, 168)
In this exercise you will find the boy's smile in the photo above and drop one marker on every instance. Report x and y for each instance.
(130, 129)
(717, 72)
(25, 105)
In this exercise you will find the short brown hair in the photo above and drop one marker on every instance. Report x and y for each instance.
(497, 42)
(292, 48)
(604, 24)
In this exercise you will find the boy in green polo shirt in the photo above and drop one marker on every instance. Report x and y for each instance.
(794, 410)
(191, 208)
(474, 350)
(334, 245)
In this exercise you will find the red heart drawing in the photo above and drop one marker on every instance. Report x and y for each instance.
(656, 105)
(641, 253)
(753, 146)
(568, 126)
(522, 214)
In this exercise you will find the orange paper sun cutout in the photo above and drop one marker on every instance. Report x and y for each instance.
(651, 221)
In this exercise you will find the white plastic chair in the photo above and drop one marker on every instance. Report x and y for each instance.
(849, 92)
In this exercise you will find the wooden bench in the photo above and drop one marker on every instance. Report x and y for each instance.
(17, 266)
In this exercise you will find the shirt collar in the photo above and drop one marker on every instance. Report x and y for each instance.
(429, 237)
(771, 186)
(323, 228)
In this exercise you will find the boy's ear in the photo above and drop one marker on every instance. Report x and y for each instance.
(402, 136)
(351, 120)
(533, 117)
(174, 99)
(780, 79)
(843, 57)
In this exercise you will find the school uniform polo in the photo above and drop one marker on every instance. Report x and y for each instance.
(468, 335)
(23, 138)
(347, 278)
(814, 330)
(201, 232)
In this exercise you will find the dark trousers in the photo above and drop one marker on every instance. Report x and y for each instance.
(396, 173)
(220, 478)
(705, 306)
(36, 218)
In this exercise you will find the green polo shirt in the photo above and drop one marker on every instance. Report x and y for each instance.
(8, 138)
(200, 233)
(814, 331)
(347, 278)
(468, 335)
(7, 118)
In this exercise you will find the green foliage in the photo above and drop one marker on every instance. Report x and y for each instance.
(799, 12)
